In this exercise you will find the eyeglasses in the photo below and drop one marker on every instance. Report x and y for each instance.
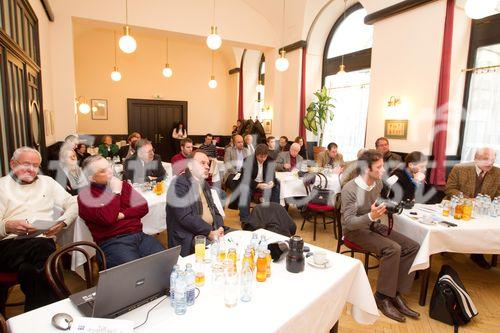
(27, 165)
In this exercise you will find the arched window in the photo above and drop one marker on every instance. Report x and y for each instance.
(262, 77)
(349, 43)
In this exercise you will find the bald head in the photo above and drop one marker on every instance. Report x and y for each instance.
(484, 158)
(238, 142)
(294, 149)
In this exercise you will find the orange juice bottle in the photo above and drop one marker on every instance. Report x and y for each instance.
(261, 267)
(268, 262)
(232, 256)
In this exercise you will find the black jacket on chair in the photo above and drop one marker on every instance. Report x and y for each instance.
(137, 172)
(185, 210)
(273, 217)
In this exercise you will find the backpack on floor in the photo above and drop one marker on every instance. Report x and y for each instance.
(450, 302)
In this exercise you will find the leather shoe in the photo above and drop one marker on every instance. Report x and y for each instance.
(400, 304)
(480, 261)
(385, 306)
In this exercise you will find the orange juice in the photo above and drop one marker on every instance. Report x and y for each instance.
(261, 267)
(199, 279)
(199, 250)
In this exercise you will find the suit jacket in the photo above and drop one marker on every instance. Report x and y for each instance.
(284, 158)
(462, 178)
(185, 211)
(391, 161)
(123, 152)
(230, 159)
(136, 172)
(250, 170)
(324, 158)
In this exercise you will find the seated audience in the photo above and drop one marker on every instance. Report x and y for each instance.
(410, 185)
(26, 196)
(331, 157)
(258, 175)
(271, 144)
(180, 160)
(233, 162)
(249, 145)
(190, 207)
(303, 149)
(283, 144)
(470, 179)
(391, 160)
(53, 150)
(81, 152)
(208, 147)
(68, 173)
(129, 149)
(289, 160)
(144, 165)
(361, 225)
(107, 148)
(112, 210)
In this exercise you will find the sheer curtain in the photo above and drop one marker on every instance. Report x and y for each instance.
(348, 127)
(482, 125)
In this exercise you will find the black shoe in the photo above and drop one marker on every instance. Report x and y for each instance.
(480, 261)
(385, 306)
(400, 304)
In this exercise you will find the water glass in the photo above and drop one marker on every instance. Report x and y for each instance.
(231, 288)
(199, 247)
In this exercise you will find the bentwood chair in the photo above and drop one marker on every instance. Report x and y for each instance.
(7, 281)
(54, 272)
(3, 325)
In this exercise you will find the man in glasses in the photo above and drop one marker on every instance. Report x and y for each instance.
(144, 165)
(26, 196)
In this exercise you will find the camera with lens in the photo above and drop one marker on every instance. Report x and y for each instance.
(392, 207)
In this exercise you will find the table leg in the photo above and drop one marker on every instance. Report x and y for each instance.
(424, 283)
(335, 328)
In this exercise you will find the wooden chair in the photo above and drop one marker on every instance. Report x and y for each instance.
(3, 325)
(53, 267)
(7, 281)
(313, 210)
(351, 246)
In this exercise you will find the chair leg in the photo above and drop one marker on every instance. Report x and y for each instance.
(315, 222)
(338, 246)
(494, 260)
(324, 221)
(352, 254)
(303, 222)
(367, 260)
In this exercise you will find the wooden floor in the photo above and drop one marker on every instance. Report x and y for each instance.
(483, 286)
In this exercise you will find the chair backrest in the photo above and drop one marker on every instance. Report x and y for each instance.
(338, 215)
(53, 267)
(3, 325)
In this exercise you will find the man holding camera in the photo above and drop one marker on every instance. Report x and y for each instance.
(361, 225)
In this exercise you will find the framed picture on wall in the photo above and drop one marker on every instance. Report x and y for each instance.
(99, 109)
(268, 125)
(396, 129)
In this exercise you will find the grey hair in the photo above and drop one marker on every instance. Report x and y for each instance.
(483, 151)
(88, 165)
(25, 149)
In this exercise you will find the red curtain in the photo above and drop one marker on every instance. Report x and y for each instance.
(438, 172)
(302, 129)
(240, 91)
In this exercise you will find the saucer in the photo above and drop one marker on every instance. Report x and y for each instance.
(326, 264)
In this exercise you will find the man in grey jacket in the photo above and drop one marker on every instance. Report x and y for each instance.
(233, 161)
(361, 225)
(289, 160)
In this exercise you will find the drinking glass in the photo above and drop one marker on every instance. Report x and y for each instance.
(199, 247)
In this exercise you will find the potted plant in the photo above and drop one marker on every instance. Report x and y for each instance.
(319, 113)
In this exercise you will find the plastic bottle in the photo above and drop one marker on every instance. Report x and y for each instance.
(173, 278)
(190, 287)
(180, 294)
(246, 283)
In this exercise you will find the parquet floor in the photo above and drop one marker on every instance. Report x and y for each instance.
(483, 286)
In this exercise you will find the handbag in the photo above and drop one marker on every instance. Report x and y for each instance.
(320, 194)
(450, 302)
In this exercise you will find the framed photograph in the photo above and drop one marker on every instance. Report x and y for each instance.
(396, 129)
(268, 125)
(99, 108)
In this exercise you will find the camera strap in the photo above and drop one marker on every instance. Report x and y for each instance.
(390, 222)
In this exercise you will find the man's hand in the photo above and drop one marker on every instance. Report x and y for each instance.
(216, 233)
(377, 211)
(287, 166)
(19, 227)
(270, 184)
(116, 185)
(55, 229)
(121, 216)
(261, 186)
(220, 231)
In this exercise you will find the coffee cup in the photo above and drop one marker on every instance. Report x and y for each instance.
(319, 257)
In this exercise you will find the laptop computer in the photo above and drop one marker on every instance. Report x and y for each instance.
(125, 287)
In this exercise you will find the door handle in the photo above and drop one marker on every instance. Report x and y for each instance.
(156, 137)
(160, 137)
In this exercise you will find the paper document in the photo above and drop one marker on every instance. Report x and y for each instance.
(43, 225)
(99, 325)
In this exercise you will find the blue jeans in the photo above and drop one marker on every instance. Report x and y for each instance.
(124, 248)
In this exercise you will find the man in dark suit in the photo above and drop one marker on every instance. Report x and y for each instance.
(190, 206)
(258, 175)
(144, 165)
(129, 149)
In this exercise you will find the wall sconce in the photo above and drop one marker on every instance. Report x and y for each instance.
(82, 104)
(393, 101)
(395, 109)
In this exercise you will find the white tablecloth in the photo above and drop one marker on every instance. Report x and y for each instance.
(311, 301)
(292, 186)
(481, 235)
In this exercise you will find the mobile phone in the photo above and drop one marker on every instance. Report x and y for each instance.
(447, 224)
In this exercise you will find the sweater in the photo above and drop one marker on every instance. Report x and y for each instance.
(356, 204)
(35, 201)
(99, 208)
(179, 163)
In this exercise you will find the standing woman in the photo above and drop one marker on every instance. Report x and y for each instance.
(178, 134)
(107, 148)
(303, 151)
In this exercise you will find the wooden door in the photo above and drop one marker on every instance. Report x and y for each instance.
(155, 120)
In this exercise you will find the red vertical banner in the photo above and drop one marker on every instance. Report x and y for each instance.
(302, 128)
(438, 172)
